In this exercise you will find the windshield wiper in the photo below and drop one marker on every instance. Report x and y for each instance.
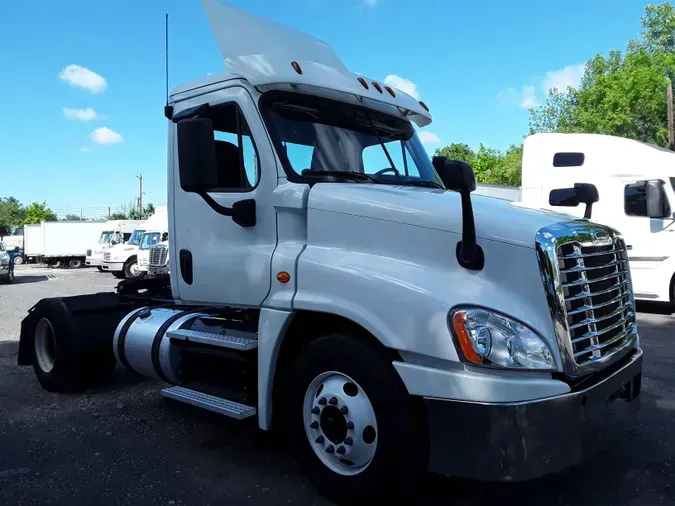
(347, 174)
(425, 184)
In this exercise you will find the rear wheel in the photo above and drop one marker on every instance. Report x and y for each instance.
(75, 263)
(60, 364)
(58, 264)
(357, 433)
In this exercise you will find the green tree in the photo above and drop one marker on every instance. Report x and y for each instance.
(456, 151)
(38, 212)
(118, 216)
(12, 214)
(71, 217)
(144, 214)
(622, 93)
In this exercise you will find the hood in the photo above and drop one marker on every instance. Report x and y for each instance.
(496, 219)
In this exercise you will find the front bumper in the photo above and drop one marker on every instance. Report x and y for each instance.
(520, 441)
(112, 266)
(158, 271)
(4, 270)
(93, 262)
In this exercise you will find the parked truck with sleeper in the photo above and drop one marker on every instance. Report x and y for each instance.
(330, 280)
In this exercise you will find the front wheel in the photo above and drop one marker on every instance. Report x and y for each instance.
(131, 269)
(18, 260)
(356, 431)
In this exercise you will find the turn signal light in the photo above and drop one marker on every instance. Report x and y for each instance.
(465, 341)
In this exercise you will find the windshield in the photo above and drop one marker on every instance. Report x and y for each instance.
(135, 238)
(322, 139)
(149, 239)
(105, 237)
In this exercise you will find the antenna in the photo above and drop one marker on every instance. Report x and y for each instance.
(168, 110)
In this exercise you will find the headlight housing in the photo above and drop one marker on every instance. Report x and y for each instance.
(492, 339)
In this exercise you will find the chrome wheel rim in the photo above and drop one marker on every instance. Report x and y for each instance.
(135, 270)
(18, 260)
(45, 345)
(340, 423)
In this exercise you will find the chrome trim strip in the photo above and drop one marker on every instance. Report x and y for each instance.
(583, 309)
(583, 233)
(588, 321)
(592, 268)
(596, 333)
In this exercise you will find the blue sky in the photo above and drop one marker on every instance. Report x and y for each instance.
(478, 64)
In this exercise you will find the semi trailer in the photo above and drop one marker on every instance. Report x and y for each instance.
(383, 318)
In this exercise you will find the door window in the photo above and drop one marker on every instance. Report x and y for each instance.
(236, 156)
(635, 200)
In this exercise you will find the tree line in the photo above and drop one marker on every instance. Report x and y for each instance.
(14, 214)
(622, 94)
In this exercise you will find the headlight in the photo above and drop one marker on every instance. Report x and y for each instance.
(491, 339)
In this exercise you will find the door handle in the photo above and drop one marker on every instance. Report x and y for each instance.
(629, 247)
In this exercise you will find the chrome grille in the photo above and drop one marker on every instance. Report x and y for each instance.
(586, 276)
(106, 256)
(598, 299)
(158, 256)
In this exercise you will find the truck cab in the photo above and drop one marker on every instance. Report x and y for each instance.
(328, 278)
(636, 185)
(121, 259)
(150, 240)
(116, 232)
(158, 263)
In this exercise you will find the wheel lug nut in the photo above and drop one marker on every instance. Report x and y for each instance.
(314, 425)
(333, 401)
(350, 425)
(320, 440)
(316, 410)
(330, 449)
(349, 441)
(341, 450)
(344, 410)
(322, 401)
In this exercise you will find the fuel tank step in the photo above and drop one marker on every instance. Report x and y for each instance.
(234, 339)
(210, 402)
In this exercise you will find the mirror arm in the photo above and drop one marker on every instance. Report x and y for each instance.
(469, 254)
(243, 214)
(589, 210)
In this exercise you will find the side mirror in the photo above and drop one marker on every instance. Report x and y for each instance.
(582, 193)
(655, 200)
(456, 175)
(459, 176)
(196, 155)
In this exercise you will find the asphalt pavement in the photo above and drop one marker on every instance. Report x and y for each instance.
(124, 444)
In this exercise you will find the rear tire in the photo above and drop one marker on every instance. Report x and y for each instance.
(75, 263)
(377, 398)
(58, 264)
(58, 362)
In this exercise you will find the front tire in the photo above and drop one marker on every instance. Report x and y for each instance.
(131, 269)
(18, 260)
(100, 269)
(357, 433)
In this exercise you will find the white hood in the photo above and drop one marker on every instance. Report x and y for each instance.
(261, 51)
(496, 219)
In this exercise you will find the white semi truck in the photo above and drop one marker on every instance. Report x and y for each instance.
(121, 260)
(158, 263)
(636, 185)
(115, 232)
(329, 280)
(156, 232)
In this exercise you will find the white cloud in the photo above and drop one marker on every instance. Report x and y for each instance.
(403, 84)
(428, 137)
(562, 78)
(84, 149)
(79, 114)
(104, 135)
(525, 98)
(81, 77)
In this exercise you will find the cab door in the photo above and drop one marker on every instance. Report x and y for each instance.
(215, 260)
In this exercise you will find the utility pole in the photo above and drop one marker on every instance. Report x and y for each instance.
(140, 195)
(671, 123)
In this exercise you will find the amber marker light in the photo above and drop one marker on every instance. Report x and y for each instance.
(296, 67)
(465, 342)
(283, 277)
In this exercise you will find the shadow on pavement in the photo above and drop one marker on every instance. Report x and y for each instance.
(655, 307)
(8, 348)
(21, 280)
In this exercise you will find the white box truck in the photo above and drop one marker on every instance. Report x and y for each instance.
(115, 232)
(636, 186)
(34, 246)
(66, 242)
(330, 280)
